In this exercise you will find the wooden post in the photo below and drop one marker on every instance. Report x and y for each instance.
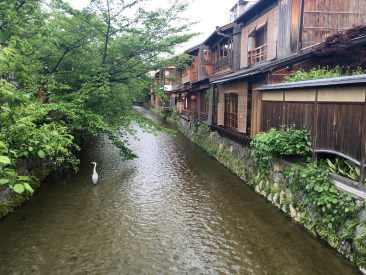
(283, 108)
(211, 105)
(198, 104)
(315, 129)
(236, 48)
(301, 21)
(363, 146)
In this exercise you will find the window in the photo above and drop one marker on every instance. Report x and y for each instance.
(257, 45)
(224, 48)
(223, 54)
(231, 110)
(261, 37)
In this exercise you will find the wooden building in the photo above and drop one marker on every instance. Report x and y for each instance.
(276, 38)
(229, 109)
(267, 41)
(333, 110)
(305, 23)
(166, 82)
(195, 84)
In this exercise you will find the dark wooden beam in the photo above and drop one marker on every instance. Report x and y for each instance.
(315, 129)
(363, 145)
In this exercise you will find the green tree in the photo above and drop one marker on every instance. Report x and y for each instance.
(67, 75)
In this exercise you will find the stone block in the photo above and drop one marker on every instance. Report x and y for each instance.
(362, 216)
(293, 212)
(270, 197)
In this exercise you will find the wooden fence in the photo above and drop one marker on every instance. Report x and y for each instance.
(335, 117)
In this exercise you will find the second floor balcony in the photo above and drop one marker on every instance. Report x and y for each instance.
(257, 55)
(223, 63)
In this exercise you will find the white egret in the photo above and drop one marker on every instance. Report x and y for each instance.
(95, 175)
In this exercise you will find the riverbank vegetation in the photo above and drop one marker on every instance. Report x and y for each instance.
(67, 75)
(322, 208)
(303, 191)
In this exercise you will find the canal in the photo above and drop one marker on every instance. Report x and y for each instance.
(174, 210)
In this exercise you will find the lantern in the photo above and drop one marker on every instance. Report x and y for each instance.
(193, 97)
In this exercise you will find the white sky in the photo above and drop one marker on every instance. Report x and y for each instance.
(209, 14)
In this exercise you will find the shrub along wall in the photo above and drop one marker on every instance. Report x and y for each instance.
(37, 169)
(303, 192)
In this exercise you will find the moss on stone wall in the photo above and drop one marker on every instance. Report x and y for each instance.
(10, 204)
(9, 200)
(349, 238)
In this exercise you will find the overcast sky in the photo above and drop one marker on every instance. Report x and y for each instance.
(208, 13)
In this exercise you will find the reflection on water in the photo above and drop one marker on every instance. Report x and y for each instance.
(174, 210)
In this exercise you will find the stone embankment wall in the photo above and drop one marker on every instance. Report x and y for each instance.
(351, 241)
(9, 200)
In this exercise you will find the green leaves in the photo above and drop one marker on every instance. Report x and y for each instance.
(55, 56)
(319, 73)
(287, 141)
(344, 168)
(4, 181)
(41, 154)
(335, 206)
(4, 160)
(18, 188)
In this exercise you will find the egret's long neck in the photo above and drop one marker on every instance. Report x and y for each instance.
(94, 171)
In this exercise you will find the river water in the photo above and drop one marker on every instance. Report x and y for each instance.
(174, 210)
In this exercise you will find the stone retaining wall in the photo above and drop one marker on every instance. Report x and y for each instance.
(9, 200)
(239, 160)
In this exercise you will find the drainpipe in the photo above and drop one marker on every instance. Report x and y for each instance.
(299, 44)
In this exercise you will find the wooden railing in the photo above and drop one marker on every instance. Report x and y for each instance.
(257, 55)
(231, 120)
(223, 63)
(233, 135)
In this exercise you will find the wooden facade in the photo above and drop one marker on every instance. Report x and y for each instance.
(259, 39)
(206, 63)
(305, 23)
(221, 45)
(195, 83)
(190, 73)
(232, 106)
(324, 18)
(268, 42)
(335, 116)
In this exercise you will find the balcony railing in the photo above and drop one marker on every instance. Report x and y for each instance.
(257, 55)
(231, 120)
(223, 63)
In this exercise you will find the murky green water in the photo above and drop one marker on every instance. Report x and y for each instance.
(174, 210)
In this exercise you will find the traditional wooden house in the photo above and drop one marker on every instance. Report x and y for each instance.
(195, 83)
(163, 93)
(277, 37)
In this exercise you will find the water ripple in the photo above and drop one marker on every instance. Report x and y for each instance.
(174, 210)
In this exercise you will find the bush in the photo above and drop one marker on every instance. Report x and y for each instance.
(287, 141)
(320, 73)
